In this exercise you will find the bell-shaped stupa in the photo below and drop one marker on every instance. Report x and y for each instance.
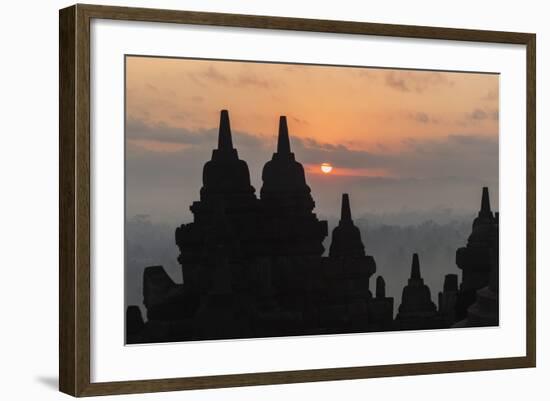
(417, 309)
(346, 238)
(290, 225)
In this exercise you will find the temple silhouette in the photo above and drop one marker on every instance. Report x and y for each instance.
(254, 267)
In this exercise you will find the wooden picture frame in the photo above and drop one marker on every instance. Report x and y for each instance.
(74, 199)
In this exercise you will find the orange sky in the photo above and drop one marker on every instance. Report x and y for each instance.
(410, 148)
(397, 139)
(358, 107)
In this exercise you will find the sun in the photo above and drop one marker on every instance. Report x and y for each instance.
(326, 168)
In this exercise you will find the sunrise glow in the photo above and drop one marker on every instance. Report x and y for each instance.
(326, 168)
(397, 139)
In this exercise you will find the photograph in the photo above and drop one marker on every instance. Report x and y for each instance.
(255, 197)
(272, 199)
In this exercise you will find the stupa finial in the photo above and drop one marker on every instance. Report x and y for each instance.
(283, 142)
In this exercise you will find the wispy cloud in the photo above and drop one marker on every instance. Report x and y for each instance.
(213, 75)
(418, 157)
(253, 80)
(424, 118)
(298, 120)
(416, 81)
(159, 137)
(478, 115)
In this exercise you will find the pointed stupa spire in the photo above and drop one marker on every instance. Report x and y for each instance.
(417, 309)
(485, 203)
(415, 268)
(346, 237)
(283, 143)
(345, 214)
(380, 287)
(224, 135)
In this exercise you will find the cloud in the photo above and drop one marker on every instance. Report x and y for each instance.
(416, 81)
(418, 158)
(207, 76)
(252, 80)
(395, 81)
(479, 114)
(299, 120)
(423, 118)
(420, 173)
(310, 151)
(164, 184)
(427, 157)
(213, 74)
(245, 79)
(139, 132)
(398, 195)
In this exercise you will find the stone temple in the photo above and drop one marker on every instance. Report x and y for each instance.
(476, 258)
(254, 266)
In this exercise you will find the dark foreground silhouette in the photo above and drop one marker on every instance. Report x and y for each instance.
(253, 267)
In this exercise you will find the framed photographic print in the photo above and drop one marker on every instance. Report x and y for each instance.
(251, 200)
